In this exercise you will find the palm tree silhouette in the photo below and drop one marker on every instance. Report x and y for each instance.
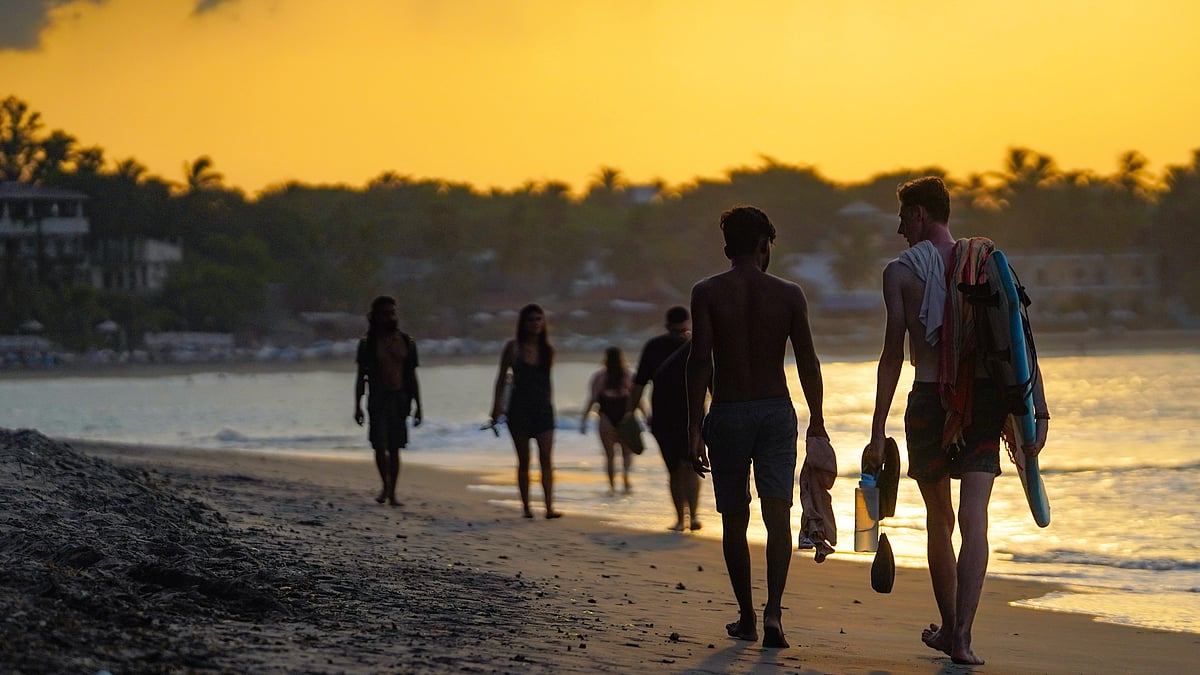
(200, 175)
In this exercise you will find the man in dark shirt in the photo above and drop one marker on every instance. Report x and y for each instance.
(664, 362)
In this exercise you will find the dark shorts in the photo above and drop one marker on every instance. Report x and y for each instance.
(529, 421)
(924, 419)
(672, 443)
(745, 433)
(388, 428)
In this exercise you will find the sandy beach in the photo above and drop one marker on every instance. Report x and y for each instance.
(139, 559)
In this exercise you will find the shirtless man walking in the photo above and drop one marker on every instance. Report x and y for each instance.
(742, 320)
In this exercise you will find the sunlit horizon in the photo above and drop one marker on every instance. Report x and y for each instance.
(501, 94)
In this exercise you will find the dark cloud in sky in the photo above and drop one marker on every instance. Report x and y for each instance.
(22, 21)
(203, 6)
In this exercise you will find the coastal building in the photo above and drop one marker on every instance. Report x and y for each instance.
(43, 234)
(139, 266)
(1107, 288)
(45, 239)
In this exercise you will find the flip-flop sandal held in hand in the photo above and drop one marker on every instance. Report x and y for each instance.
(883, 568)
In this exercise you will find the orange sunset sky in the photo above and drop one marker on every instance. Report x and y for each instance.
(500, 92)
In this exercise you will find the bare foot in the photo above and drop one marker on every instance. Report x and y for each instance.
(934, 639)
(962, 652)
(381, 498)
(773, 634)
(393, 502)
(677, 527)
(966, 657)
(528, 513)
(553, 514)
(743, 630)
(695, 524)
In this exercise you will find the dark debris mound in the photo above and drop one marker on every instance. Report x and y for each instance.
(87, 546)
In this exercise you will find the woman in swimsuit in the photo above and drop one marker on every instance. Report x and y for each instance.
(610, 389)
(530, 409)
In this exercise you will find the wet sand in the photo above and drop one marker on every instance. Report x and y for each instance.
(140, 559)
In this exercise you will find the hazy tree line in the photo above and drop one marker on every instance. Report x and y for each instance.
(298, 247)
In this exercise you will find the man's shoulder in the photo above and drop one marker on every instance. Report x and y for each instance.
(659, 340)
(781, 282)
(707, 283)
(896, 271)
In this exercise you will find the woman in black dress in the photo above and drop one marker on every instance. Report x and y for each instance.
(530, 409)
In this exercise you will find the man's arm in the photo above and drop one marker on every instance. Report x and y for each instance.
(640, 378)
(891, 361)
(808, 366)
(635, 398)
(415, 385)
(699, 375)
(360, 387)
(360, 382)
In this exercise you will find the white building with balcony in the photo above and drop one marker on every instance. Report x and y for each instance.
(45, 238)
(44, 232)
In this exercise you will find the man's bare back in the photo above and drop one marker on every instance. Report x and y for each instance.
(750, 315)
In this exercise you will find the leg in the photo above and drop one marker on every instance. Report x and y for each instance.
(737, 562)
(521, 444)
(393, 474)
(777, 518)
(608, 440)
(377, 433)
(975, 493)
(381, 463)
(626, 463)
(939, 525)
(675, 481)
(691, 492)
(545, 443)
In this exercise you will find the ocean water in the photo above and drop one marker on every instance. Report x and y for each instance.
(1122, 465)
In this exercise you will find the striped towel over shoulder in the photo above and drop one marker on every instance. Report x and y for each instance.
(959, 347)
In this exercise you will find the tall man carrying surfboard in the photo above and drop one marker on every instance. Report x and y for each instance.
(964, 444)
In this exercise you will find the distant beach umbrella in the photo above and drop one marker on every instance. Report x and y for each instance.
(31, 326)
(108, 326)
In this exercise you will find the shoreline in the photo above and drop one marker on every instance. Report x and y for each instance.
(863, 347)
(449, 582)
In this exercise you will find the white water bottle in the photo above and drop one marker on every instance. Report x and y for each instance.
(866, 514)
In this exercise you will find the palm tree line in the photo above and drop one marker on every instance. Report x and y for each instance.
(448, 247)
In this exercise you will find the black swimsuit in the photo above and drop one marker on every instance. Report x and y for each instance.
(613, 406)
